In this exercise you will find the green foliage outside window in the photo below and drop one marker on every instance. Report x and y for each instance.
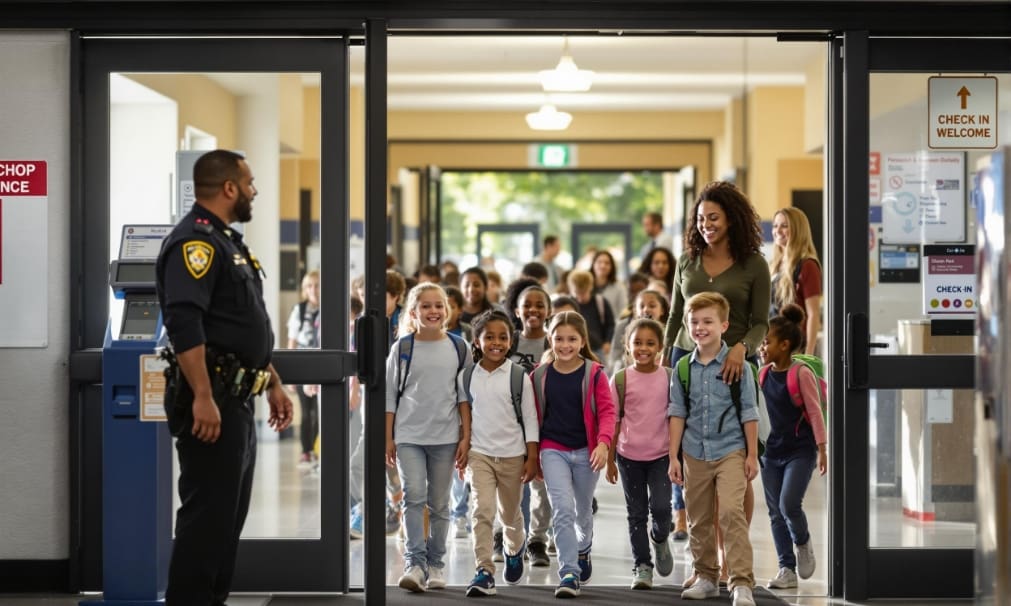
(554, 200)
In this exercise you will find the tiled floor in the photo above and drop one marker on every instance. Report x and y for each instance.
(287, 504)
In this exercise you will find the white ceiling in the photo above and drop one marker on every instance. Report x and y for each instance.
(499, 73)
(644, 73)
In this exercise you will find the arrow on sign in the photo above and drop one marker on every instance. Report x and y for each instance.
(964, 94)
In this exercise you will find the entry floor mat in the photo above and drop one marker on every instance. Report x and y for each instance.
(668, 595)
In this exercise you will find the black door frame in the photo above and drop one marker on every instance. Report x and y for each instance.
(263, 565)
(883, 572)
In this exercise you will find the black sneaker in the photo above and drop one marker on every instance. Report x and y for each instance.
(497, 548)
(585, 567)
(593, 506)
(482, 584)
(568, 588)
(537, 554)
(514, 568)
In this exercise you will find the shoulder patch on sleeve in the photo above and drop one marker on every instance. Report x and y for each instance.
(198, 256)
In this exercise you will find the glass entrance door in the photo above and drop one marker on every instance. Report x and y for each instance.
(148, 105)
(912, 146)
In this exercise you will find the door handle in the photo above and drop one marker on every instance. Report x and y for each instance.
(857, 350)
(370, 331)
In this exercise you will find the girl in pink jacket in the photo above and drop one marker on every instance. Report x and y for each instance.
(577, 426)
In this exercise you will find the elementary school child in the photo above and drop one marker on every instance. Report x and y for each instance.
(503, 447)
(720, 452)
(577, 427)
(640, 451)
(533, 307)
(427, 429)
(796, 445)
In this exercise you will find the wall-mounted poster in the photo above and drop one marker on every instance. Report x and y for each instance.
(923, 197)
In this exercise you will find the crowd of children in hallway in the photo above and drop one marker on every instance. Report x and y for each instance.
(504, 404)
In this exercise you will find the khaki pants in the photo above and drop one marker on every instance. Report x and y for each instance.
(496, 480)
(704, 480)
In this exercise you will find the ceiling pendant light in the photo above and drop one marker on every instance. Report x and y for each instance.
(548, 118)
(566, 77)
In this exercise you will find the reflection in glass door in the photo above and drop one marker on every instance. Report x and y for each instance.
(909, 417)
(151, 106)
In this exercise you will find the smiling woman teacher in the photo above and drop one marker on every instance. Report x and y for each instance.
(722, 255)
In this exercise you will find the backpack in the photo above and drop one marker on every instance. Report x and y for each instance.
(817, 368)
(516, 376)
(764, 425)
(515, 344)
(619, 386)
(590, 369)
(406, 348)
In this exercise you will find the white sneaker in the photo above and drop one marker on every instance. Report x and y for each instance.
(702, 589)
(784, 579)
(413, 579)
(742, 596)
(461, 528)
(805, 560)
(436, 578)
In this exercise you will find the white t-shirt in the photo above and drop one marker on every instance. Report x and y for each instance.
(429, 411)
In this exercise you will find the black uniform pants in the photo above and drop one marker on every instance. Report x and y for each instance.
(215, 482)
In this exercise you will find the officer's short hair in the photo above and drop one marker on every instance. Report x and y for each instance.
(214, 168)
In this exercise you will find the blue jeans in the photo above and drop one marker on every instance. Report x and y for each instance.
(570, 482)
(785, 480)
(426, 473)
(647, 491)
(461, 497)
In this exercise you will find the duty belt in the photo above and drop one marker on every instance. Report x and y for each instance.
(249, 382)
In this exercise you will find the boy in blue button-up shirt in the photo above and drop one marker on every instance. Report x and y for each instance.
(720, 453)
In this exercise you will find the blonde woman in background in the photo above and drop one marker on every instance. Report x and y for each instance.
(796, 272)
(303, 333)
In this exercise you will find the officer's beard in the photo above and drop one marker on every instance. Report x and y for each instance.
(243, 208)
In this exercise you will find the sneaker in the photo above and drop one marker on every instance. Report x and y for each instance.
(514, 568)
(593, 506)
(462, 532)
(537, 554)
(305, 461)
(357, 523)
(700, 590)
(741, 596)
(392, 520)
(642, 577)
(785, 579)
(436, 578)
(568, 588)
(663, 557)
(552, 548)
(585, 567)
(413, 579)
(805, 560)
(483, 583)
(496, 555)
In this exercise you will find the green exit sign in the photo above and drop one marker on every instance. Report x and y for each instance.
(554, 155)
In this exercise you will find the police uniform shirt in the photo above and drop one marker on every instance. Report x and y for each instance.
(211, 292)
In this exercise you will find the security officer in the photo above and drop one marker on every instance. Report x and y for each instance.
(211, 295)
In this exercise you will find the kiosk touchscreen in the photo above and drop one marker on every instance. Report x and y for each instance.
(136, 447)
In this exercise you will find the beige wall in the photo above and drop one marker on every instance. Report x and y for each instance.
(797, 173)
(815, 106)
(775, 132)
(292, 108)
(203, 103)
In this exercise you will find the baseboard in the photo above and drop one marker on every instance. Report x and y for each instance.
(27, 576)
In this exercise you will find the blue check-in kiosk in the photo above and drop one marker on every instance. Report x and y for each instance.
(136, 448)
